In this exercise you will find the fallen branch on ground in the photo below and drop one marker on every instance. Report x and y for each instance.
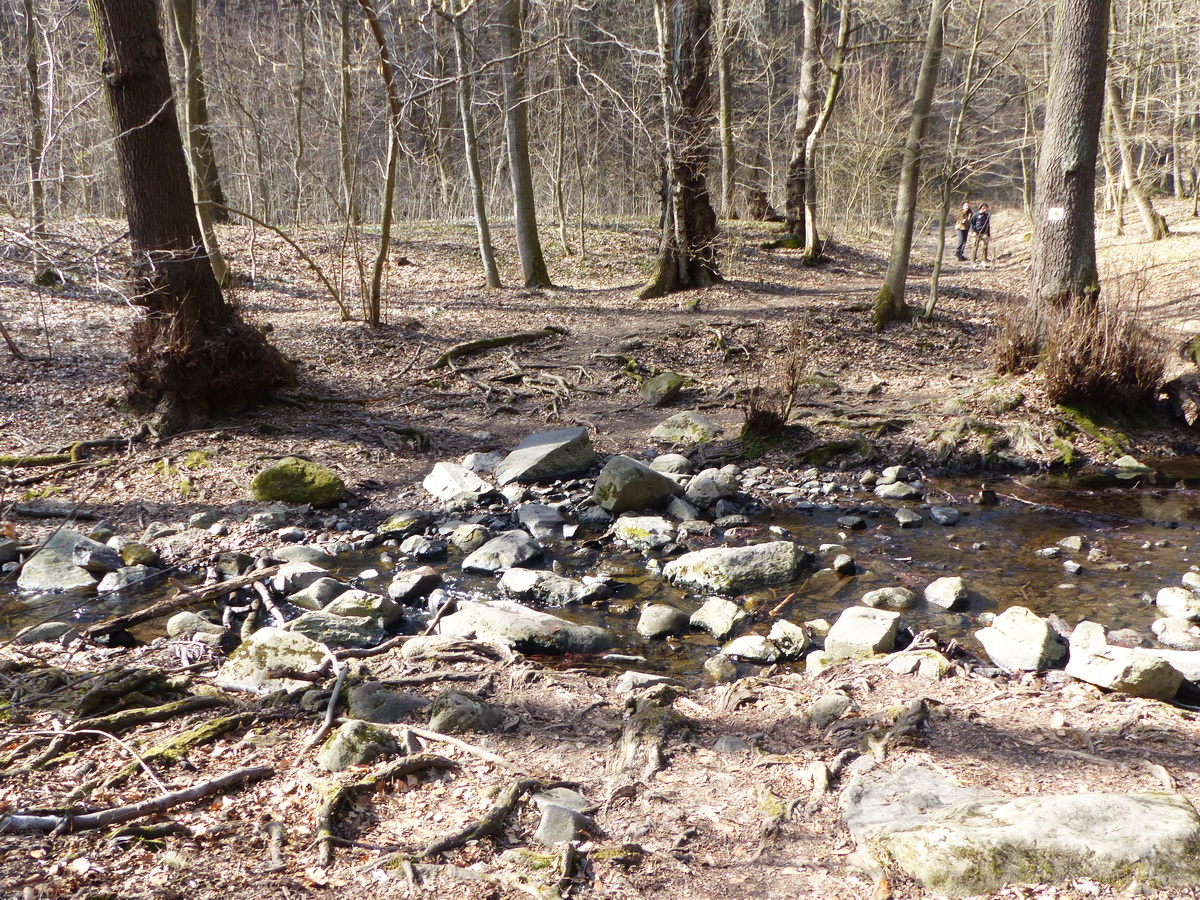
(478, 345)
(68, 824)
(179, 601)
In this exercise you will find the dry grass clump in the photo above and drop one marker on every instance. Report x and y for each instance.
(1093, 355)
(1102, 356)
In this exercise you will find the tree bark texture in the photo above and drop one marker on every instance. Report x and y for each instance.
(889, 302)
(1063, 267)
(688, 251)
(191, 355)
(808, 108)
(516, 124)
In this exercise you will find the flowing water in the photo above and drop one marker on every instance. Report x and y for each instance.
(1142, 537)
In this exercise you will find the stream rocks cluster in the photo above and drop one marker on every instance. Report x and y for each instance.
(532, 520)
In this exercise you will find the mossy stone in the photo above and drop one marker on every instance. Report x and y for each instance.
(295, 480)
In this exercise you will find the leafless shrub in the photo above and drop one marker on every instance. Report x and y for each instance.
(770, 401)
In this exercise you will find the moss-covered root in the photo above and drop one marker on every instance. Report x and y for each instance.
(177, 748)
(649, 722)
(335, 794)
(118, 722)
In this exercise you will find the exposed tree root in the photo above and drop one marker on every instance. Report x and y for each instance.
(492, 821)
(648, 723)
(68, 824)
(176, 748)
(119, 721)
(335, 795)
(469, 348)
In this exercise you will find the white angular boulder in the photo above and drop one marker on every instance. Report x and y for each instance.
(734, 570)
(862, 631)
(1138, 673)
(548, 455)
(1020, 639)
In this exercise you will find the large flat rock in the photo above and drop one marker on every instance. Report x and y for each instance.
(548, 455)
(960, 845)
(734, 570)
(254, 666)
(522, 628)
(53, 570)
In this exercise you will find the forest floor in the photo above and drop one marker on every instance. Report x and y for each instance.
(737, 824)
(920, 394)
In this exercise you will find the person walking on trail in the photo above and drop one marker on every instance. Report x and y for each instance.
(981, 226)
(962, 224)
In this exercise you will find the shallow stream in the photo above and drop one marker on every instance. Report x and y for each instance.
(1138, 538)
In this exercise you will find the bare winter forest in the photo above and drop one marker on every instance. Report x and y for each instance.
(389, 241)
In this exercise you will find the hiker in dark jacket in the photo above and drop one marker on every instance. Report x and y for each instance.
(962, 225)
(981, 227)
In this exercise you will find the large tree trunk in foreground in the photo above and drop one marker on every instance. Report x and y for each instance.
(191, 356)
(516, 121)
(889, 302)
(688, 253)
(1063, 268)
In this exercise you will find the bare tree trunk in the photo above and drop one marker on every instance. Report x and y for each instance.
(1152, 220)
(813, 246)
(1028, 140)
(951, 173)
(202, 164)
(807, 111)
(395, 117)
(560, 147)
(298, 161)
(37, 139)
(203, 157)
(345, 149)
(1063, 269)
(516, 120)
(724, 34)
(687, 253)
(191, 356)
(889, 302)
(471, 144)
